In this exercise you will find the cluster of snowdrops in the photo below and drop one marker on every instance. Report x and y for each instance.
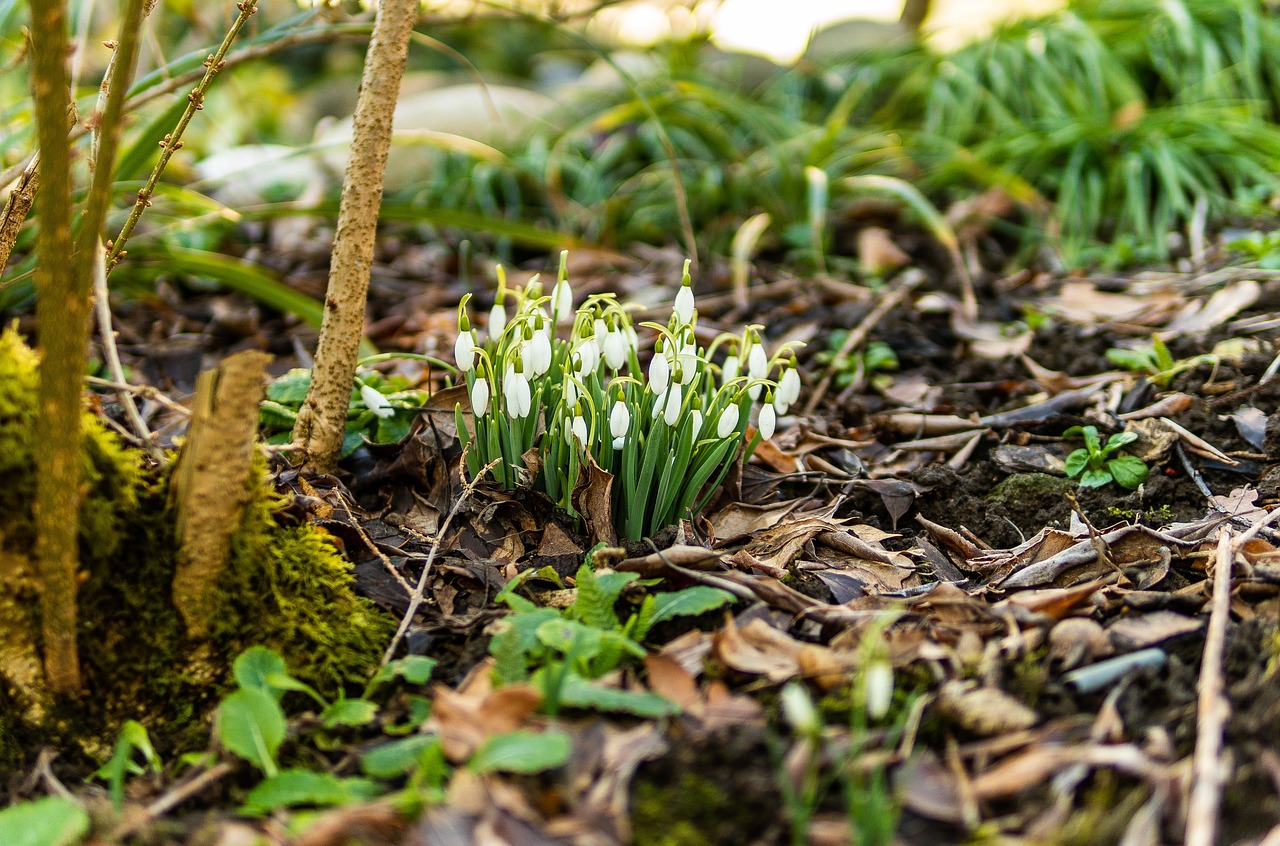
(558, 393)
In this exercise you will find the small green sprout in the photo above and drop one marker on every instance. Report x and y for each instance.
(1262, 247)
(1093, 465)
(1155, 361)
(877, 358)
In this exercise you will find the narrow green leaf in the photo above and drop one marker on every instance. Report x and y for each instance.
(521, 752)
(689, 602)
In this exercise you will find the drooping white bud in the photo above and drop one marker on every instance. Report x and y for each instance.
(376, 402)
(768, 420)
(615, 349)
(539, 353)
(757, 368)
(879, 689)
(688, 361)
(571, 392)
(788, 386)
(730, 370)
(599, 333)
(728, 424)
(695, 424)
(480, 397)
(579, 428)
(671, 411)
(683, 308)
(464, 351)
(619, 419)
(619, 443)
(659, 373)
(497, 321)
(562, 301)
(586, 358)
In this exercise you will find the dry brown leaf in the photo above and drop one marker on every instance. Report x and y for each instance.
(465, 718)
(1138, 631)
(983, 711)
(1199, 316)
(877, 252)
(757, 649)
(593, 499)
(739, 520)
(1022, 771)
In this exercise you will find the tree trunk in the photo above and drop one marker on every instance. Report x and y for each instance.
(322, 418)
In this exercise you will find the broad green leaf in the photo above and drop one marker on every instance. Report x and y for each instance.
(689, 602)
(397, 758)
(253, 667)
(521, 752)
(294, 787)
(1118, 440)
(45, 822)
(1076, 463)
(349, 712)
(251, 724)
(1128, 471)
(414, 669)
(577, 692)
(1095, 478)
(291, 388)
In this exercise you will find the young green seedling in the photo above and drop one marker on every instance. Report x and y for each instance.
(1093, 465)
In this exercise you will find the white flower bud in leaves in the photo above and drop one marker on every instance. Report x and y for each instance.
(757, 368)
(788, 387)
(695, 424)
(515, 390)
(728, 424)
(659, 373)
(539, 353)
(671, 411)
(768, 420)
(688, 363)
(586, 358)
(619, 420)
(599, 333)
(480, 397)
(464, 351)
(376, 402)
(579, 429)
(730, 370)
(562, 301)
(683, 308)
(879, 689)
(497, 321)
(571, 392)
(615, 349)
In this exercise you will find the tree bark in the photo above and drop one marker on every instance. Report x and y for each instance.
(322, 418)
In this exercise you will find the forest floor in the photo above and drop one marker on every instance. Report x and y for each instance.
(1056, 650)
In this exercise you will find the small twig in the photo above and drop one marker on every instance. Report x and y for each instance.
(112, 355)
(144, 391)
(1212, 709)
(172, 141)
(415, 599)
(901, 287)
(174, 797)
(372, 547)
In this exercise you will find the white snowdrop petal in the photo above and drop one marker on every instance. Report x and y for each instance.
(683, 308)
(757, 362)
(619, 443)
(659, 373)
(619, 419)
(879, 689)
(768, 421)
(789, 386)
(580, 430)
(671, 412)
(615, 350)
(480, 397)
(464, 351)
(376, 402)
(540, 353)
(730, 370)
(562, 301)
(695, 422)
(497, 321)
(728, 422)
(754, 391)
(571, 392)
(587, 357)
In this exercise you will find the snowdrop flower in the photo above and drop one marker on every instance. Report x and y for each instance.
(879, 689)
(768, 420)
(687, 361)
(788, 389)
(480, 397)
(376, 402)
(578, 428)
(538, 350)
(464, 350)
(757, 368)
(599, 333)
(497, 321)
(659, 372)
(619, 421)
(562, 301)
(730, 370)
(683, 308)
(615, 349)
(586, 357)
(671, 411)
(515, 390)
(695, 424)
(728, 422)
(571, 392)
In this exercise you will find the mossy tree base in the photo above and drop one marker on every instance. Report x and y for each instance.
(283, 586)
